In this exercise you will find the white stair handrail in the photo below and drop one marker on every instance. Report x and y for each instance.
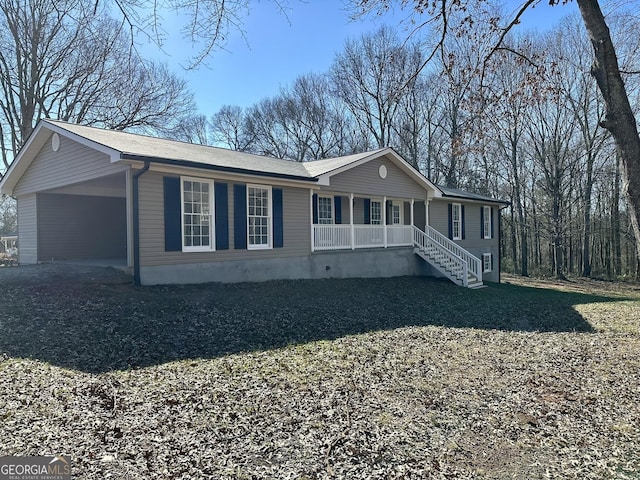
(469, 263)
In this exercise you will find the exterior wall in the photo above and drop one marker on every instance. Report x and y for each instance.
(358, 211)
(27, 229)
(72, 163)
(419, 217)
(297, 227)
(78, 226)
(439, 219)
(365, 180)
(390, 262)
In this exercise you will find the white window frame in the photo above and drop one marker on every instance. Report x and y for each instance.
(378, 221)
(486, 263)
(212, 239)
(400, 206)
(269, 217)
(486, 234)
(456, 207)
(332, 210)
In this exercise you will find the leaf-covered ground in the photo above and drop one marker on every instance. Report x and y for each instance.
(372, 379)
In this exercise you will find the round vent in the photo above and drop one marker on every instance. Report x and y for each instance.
(55, 142)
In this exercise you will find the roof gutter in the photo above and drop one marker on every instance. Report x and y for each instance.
(504, 203)
(136, 223)
(217, 168)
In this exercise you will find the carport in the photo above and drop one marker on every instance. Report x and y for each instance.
(86, 221)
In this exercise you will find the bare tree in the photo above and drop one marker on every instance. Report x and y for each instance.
(192, 129)
(68, 60)
(619, 118)
(371, 76)
(229, 128)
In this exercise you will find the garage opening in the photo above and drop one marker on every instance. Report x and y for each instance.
(81, 227)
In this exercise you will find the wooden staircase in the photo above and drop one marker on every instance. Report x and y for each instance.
(448, 258)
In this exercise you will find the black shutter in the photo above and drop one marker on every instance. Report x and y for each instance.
(491, 222)
(222, 216)
(481, 222)
(239, 216)
(337, 205)
(462, 219)
(278, 219)
(450, 220)
(367, 211)
(314, 207)
(388, 206)
(172, 215)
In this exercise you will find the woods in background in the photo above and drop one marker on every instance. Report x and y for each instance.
(524, 128)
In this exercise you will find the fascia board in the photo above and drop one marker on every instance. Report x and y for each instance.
(216, 174)
(113, 154)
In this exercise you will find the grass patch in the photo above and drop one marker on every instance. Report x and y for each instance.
(375, 378)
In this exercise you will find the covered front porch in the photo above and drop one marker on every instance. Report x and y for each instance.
(372, 222)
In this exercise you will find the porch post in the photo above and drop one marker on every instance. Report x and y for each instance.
(129, 207)
(426, 212)
(311, 220)
(384, 219)
(412, 212)
(353, 233)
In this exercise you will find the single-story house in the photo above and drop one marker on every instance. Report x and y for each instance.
(175, 212)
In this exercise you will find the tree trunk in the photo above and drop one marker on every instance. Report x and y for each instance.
(514, 240)
(586, 232)
(619, 119)
(615, 221)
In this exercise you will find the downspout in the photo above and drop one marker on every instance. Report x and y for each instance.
(136, 224)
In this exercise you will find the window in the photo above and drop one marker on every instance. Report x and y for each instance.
(325, 210)
(396, 213)
(486, 224)
(456, 221)
(259, 216)
(197, 222)
(376, 212)
(486, 262)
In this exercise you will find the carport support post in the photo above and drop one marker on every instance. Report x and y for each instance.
(136, 224)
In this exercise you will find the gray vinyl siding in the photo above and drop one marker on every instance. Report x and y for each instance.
(27, 229)
(358, 211)
(80, 226)
(364, 180)
(296, 234)
(439, 219)
(72, 163)
(419, 215)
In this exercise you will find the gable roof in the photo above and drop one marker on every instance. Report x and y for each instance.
(123, 146)
(131, 146)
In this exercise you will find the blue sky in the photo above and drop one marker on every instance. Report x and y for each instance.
(278, 48)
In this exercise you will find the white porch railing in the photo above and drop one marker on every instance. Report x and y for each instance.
(331, 237)
(399, 235)
(457, 262)
(338, 237)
